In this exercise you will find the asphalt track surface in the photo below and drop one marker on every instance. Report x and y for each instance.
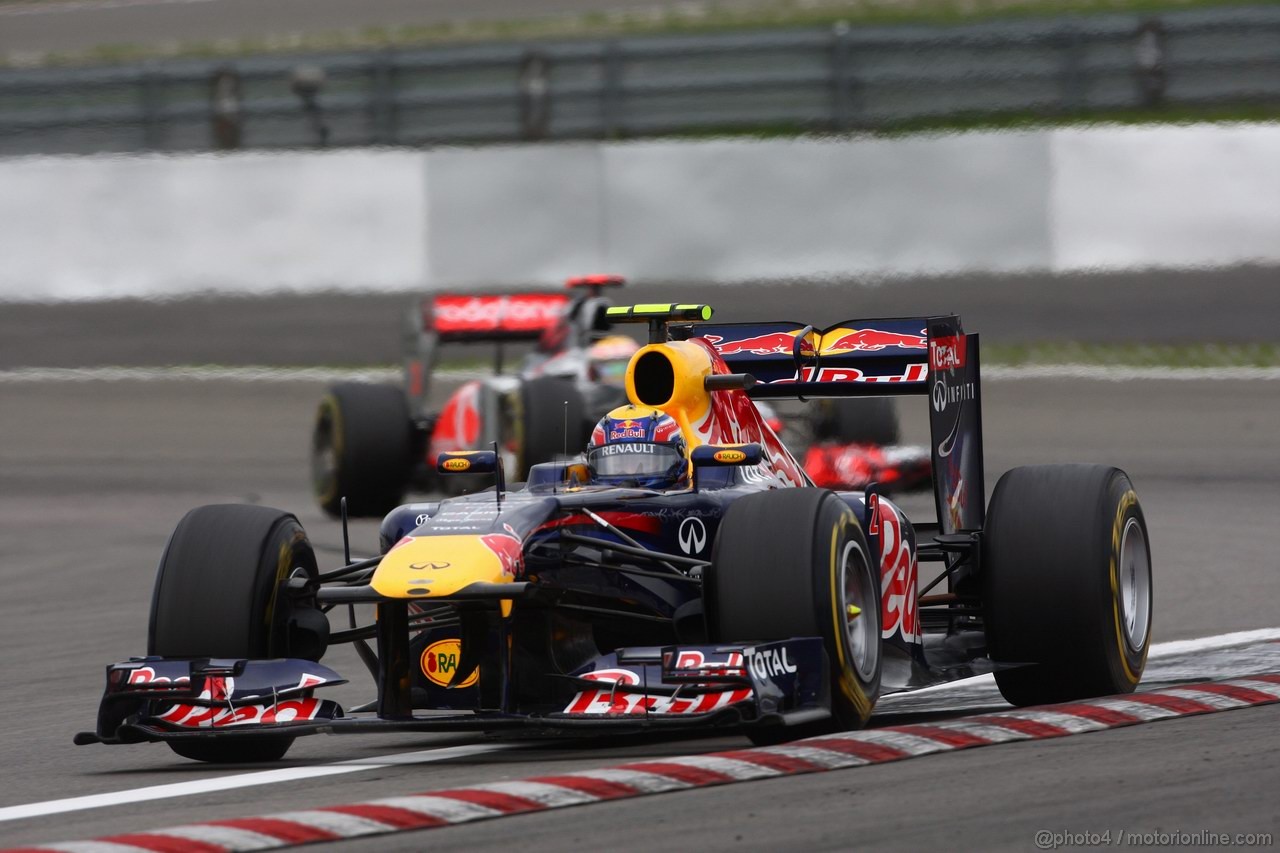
(76, 25)
(93, 477)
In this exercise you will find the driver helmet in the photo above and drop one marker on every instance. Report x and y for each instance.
(640, 447)
(609, 358)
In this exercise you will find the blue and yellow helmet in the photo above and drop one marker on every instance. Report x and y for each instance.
(640, 447)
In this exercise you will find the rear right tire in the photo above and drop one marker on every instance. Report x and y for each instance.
(1066, 583)
(361, 449)
(553, 418)
(869, 420)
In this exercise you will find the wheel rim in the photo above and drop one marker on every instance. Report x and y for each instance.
(1135, 584)
(861, 635)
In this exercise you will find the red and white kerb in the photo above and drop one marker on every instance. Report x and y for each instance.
(815, 755)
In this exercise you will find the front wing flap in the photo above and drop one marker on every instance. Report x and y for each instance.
(210, 693)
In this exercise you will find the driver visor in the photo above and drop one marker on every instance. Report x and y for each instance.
(632, 459)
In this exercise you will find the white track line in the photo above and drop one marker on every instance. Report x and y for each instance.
(245, 780)
(88, 6)
(1175, 648)
(201, 374)
(1170, 649)
(996, 373)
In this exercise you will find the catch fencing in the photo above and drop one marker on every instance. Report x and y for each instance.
(836, 79)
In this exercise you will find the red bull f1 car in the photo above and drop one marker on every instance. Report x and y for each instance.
(372, 442)
(683, 573)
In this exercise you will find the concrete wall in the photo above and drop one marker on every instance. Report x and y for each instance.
(1193, 196)
(91, 227)
(720, 210)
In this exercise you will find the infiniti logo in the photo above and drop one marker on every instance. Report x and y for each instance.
(693, 535)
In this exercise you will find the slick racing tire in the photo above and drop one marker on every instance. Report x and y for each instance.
(791, 563)
(1066, 583)
(553, 418)
(218, 595)
(361, 449)
(872, 420)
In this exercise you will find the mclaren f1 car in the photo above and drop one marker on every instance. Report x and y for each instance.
(371, 442)
(682, 573)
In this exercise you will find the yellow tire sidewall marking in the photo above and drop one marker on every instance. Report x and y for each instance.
(848, 681)
(1127, 500)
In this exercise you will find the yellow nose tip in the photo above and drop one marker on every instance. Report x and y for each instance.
(853, 611)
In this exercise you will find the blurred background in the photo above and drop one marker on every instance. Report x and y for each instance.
(154, 149)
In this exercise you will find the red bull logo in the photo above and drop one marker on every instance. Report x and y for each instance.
(620, 430)
(774, 343)
(508, 549)
(872, 340)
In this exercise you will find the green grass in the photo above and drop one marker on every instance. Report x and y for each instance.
(1134, 355)
(686, 18)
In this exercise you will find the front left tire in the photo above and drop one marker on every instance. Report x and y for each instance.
(795, 563)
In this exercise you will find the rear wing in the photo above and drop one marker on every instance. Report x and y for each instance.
(926, 356)
(556, 320)
(490, 318)
(475, 318)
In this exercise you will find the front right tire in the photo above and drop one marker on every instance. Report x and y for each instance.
(219, 594)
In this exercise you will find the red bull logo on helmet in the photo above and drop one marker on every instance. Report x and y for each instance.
(627, 430)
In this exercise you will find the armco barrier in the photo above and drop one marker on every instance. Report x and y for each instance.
(720, 210)
(835, 78)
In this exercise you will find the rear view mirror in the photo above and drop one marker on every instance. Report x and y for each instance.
(722, 455)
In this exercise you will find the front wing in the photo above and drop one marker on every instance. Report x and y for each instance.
(638, 689)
